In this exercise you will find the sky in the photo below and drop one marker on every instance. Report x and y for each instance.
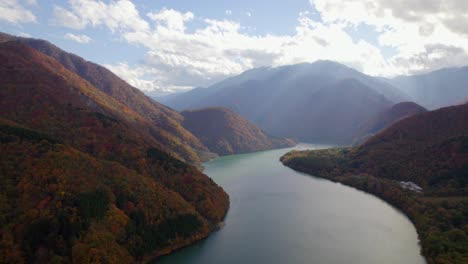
(175, 45)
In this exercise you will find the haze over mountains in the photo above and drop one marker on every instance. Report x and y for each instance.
(436, 89)
(291, 101)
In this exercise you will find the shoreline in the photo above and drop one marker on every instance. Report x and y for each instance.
(438, 218)
(356, 186)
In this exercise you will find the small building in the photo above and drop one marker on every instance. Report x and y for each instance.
(411, 186)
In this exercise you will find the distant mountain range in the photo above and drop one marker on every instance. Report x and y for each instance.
(322, 101)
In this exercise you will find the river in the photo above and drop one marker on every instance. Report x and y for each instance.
(278, 215)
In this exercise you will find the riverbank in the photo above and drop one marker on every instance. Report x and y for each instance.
(439, 220)
(180, 244)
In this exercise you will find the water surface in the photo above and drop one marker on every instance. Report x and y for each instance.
(278, 215)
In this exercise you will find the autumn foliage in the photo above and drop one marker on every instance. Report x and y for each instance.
(225, 132)
(87, 176)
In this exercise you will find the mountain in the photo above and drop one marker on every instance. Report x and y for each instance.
(387, 118)
(225, 132)
(420, 165)
(165, 123)
(292, 101)
(436, 89)
(88, 173)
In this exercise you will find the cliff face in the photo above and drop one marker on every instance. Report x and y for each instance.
(225, 132)
(90, 176)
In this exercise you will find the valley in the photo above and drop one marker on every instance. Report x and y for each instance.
(191, 138)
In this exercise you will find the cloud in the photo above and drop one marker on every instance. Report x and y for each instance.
(83, 39)
(171, 19)
(412, 27)
(228, 12)
(434, 56)
(220, 48)
(119, 15)
(136, 77)
(13, 12)
(24, 35)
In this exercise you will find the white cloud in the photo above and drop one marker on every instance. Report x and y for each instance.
(228, 12)
(249, 14)
(120, 15)
(13, 12)
(171, 19)
(83, 39)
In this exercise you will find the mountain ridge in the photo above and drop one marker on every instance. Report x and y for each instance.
(165, 120)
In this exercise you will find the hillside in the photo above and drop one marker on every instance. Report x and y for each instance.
(60, 204)
(429, 149)
(79, 135)
(435, 89)
(387, 118)
(224, 132)
(292, 101)
(165, 123)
